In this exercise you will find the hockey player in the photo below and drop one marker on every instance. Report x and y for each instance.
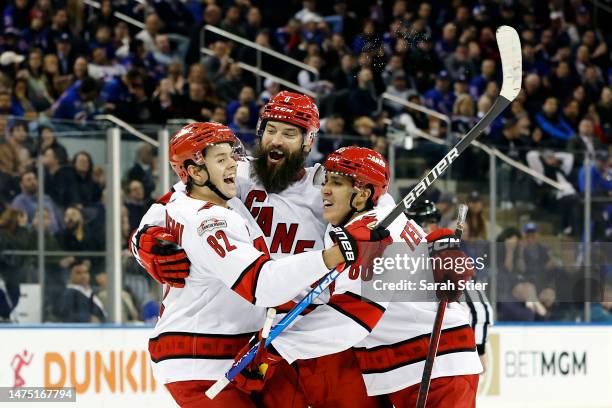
(203, 324)
(391, 338)
(279, 193)
(426, 214)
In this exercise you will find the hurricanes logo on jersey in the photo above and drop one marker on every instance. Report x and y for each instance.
(211, 224)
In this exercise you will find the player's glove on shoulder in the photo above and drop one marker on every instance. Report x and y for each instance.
(161, 256)
(356, 241)
(255, 375)
(450, 264)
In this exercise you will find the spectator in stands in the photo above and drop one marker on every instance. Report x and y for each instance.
(476, 225)
(78, 102)
(398, 87)
(78, 303)
(571, 113)
(231, 22)
(78, 236)
(253, 23)
(37, 83)
(534, 94)
(242, 128)
(344, 76)
(164, 54)
(145, 167)
(312, 81)
(27, 201)
(230, 85)
(129, 312)
(441, 97)
(88, 191)
(65, 53)
(562, 81)
(15, 154)
(329, 138)
(601, 186)
(271, 88)
(447, 44)
(540, 266)
(60, 180)
(446, 206)
(487, 74)
(195, 105)
(21, 104)
(604, 111)
(458, 63)
(136, 202)
(555, 130)
(362, 99)
(217, 64)
(584, 142)
(47, 137)
(364, 128)
(289, 37)
(219, 115)
(152, 26)
(246, 98)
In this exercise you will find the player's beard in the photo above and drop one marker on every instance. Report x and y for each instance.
(277, 177)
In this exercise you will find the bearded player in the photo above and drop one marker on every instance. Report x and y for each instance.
(279, 193)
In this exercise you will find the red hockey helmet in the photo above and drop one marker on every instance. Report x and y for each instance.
(364, 166)
(189, 144)
(297, 109)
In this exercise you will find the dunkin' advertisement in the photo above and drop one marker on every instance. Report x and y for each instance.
(106, 367)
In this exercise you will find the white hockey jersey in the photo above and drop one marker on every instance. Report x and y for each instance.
(390, 339)
(203, 325)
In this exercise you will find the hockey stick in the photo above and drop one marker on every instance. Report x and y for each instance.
(436, 332)
(510, 51)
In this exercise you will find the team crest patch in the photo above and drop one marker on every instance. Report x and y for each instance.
(211, 224)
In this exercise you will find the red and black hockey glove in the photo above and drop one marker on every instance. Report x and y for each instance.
(254, 377)
(358, 243)
(161, 256)
(450, 264)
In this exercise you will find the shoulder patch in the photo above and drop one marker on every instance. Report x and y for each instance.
(211, 224)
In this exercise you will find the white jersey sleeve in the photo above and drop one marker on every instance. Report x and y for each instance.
(346, 319)
(219, 238)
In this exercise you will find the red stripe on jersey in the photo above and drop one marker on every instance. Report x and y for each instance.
(172, 345)
(363, 311)
(288, 306)
(246, 284)
(163, 200)
(206, 206)
(385, 358)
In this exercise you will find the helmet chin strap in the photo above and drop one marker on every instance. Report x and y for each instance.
(353, 211)
(210, 185)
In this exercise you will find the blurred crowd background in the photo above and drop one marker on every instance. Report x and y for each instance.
(63, 63)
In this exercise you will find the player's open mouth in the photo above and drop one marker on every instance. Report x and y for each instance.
(275, 156)
(230, 180)
(327, 203)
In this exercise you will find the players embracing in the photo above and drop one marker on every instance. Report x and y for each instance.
(283, 198)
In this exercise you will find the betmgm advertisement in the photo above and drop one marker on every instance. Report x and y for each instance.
(547, 366)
